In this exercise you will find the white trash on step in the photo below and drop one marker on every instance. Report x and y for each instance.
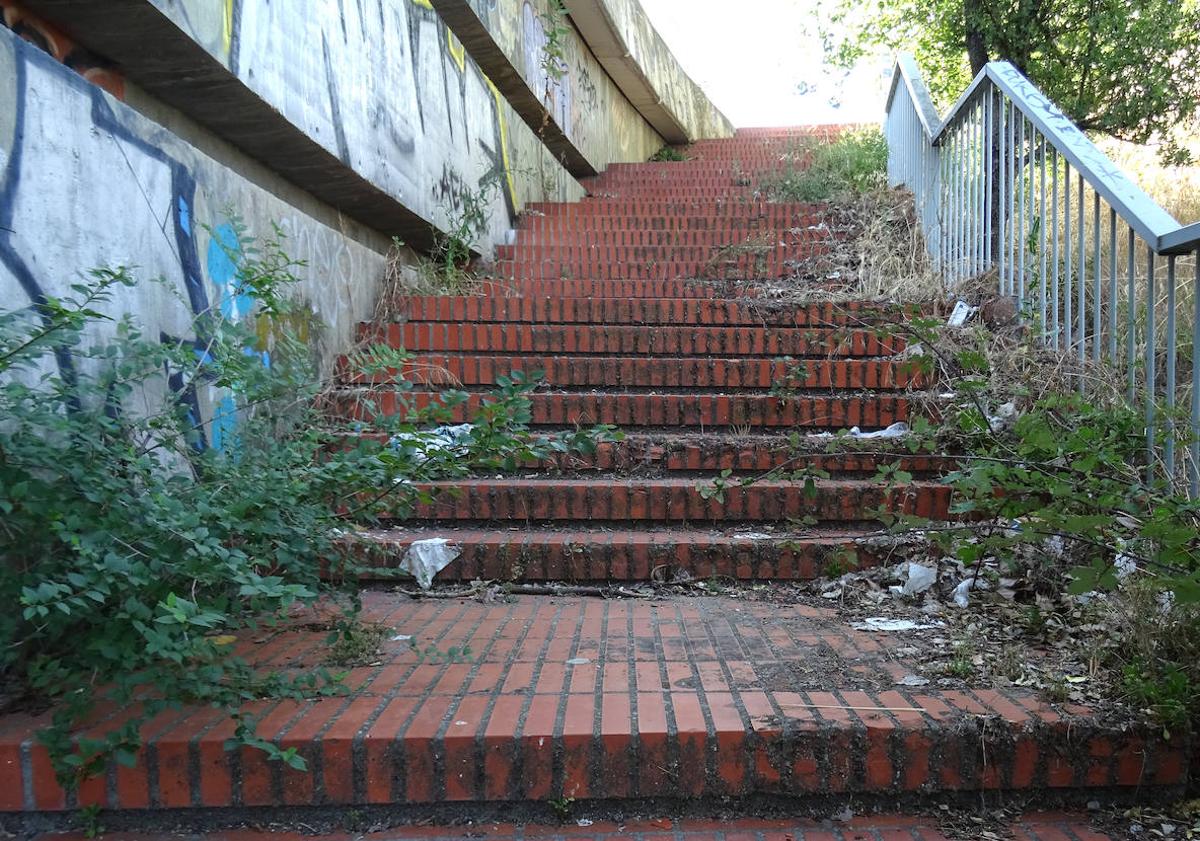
(919, 578)
(423, 442)
(960, 594)
(879, 623)
(959, 315)
(896, 430)
(426, 558)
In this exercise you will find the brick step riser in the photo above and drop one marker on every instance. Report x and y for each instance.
(719, 267)
(673, 224)
(619, 501)
(786, 246)
(582, 557)
(575, 372)
(664, 311)
(559, 287)
(581, 746)
(710, 209)
(640, 340)
(612, 240)
(697, 412)
(672, 455)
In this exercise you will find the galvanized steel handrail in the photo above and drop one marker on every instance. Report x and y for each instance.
(986, 183)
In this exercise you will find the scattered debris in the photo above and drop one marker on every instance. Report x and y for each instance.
(960, 314)
(881, 623)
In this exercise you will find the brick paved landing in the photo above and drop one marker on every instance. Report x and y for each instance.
(1029, 828)
(587, 698)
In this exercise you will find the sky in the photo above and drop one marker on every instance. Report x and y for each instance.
(751, 57)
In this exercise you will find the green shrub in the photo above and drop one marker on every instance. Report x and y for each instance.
(132, 554)
(855, 162)
(668, 153)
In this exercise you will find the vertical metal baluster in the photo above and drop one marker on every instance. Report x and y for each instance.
(989, 103)
(1021, 219)
(954, 182)
(964, 211)
(1169, 396)
(1082, 288)
(1043, 221)
(1131, 319)
(975, 191)
(1194, 446)
(981, 198)
(1112, 285)
(1098, 290)
(1068, 302)
(1002, 192)
(1055, 293)
(1151, 294)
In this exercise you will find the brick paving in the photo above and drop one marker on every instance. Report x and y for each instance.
(590, 698)
(1034, 827)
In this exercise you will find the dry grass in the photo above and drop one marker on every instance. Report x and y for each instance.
(872, 250)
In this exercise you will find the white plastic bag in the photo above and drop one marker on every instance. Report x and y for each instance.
(426, 558)
(920, 579)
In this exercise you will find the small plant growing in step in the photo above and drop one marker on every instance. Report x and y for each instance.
(562, 807)
(668, 153)
(854, 163)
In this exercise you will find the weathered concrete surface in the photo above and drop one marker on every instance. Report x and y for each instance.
(580, 113)
(374, 107)
(86, 181)
(639, 61)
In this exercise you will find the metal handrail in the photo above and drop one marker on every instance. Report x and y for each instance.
(986, 184)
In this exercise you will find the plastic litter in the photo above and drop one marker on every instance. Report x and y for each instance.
(896, 430)
(920, 578)
(420, 444)
(578, 661)
(1124, 566)
(960, 594)
(913, 680)
(426, 558)
(880, 623)
(959, 315)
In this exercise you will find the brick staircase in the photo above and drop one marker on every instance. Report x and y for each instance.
(639, 304)
(600, 705)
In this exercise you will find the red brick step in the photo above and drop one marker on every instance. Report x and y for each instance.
(871, 410)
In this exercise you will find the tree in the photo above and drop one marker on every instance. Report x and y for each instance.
(1126, 68)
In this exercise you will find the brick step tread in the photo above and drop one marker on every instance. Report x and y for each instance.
(594, 240)
(598, 699)
(873, 411)
(657, 340)
(655, 372)
(558, 287)
(682, 281)
(703, 454)
(579, 552)
(547, 498)
(786, 246)
(1030, 827)
(667, 311)
(717, 206)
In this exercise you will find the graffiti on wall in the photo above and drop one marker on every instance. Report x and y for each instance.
(147, 200)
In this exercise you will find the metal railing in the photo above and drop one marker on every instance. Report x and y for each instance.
(1006, 183)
